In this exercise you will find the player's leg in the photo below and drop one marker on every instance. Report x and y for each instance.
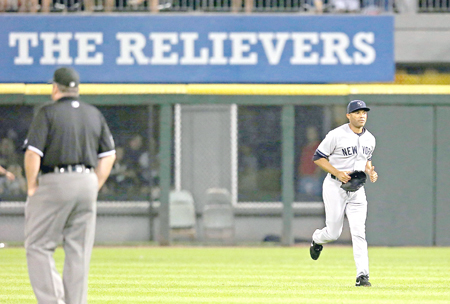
(45, 215)
(339, 5)
(357, 213)
(353, 5)
(334, 200)
(79, 236)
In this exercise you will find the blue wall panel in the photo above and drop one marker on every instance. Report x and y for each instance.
(199, 49)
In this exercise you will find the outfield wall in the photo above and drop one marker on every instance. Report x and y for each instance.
(409, 204)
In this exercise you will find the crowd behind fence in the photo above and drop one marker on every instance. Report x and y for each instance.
(372, 7)
(135, 175)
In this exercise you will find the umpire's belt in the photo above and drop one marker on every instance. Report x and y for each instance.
(67, 169)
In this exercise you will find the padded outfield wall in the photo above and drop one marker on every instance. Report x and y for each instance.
(409, 205)
(123, 50)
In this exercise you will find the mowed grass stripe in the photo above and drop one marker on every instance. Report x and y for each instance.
(245, 275)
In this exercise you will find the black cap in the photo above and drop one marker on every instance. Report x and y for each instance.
(356, 105)
(67, 77)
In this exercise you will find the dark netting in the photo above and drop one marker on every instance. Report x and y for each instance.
(259, 145)
(309, 132)
(260, 152)
(135, 131)
(213, 147)
(14, 123)
(135, 172)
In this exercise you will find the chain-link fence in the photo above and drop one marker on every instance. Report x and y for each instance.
(134, 173)
(260, 150)
(14, 123)
(434, 6)
(236, 148)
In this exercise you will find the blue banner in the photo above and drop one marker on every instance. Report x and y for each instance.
(199, 49)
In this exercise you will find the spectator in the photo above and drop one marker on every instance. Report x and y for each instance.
(316, 6)
(30, 6)
(309, 174)
(248, 169)
(63, 6)
(45, 6)
(15, 183)
(133, 153)
(134, 149)
(149, 167)
(346, 6)
(7, 6)
(123, 179)
(8, 153)
(12, 134)
(109, 5)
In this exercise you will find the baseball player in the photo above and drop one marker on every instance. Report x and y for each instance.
(70, 145)
(346, 149)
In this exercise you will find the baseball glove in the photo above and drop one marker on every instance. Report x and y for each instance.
(358, 179)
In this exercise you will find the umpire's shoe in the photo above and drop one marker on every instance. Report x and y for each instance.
(315, 250)
(363, 280)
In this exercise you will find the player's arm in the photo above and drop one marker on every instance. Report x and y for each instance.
(370, 170)
(32, 163)
(325, 165)
(323, 151)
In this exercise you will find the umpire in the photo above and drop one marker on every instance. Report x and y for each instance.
(69, 153)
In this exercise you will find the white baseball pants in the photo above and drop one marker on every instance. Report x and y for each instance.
(339, 203)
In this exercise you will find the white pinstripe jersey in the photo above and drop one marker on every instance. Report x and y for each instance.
(346, 150)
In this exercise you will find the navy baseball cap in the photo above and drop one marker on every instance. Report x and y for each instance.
(67, 77)
(356, 105)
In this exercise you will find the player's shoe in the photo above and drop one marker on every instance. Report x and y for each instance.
(315, 250)
(363, 280)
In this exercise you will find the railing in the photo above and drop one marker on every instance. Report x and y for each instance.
(247, 6)
(434, 6)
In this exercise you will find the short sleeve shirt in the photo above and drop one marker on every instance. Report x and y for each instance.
(69, 132)
(346, 150)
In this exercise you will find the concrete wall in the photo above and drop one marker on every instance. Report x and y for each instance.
(131, 222)
(422, 38)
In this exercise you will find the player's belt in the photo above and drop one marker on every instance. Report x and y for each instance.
(334, 177)
(67, 169)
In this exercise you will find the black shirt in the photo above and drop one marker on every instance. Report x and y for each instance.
(69, 132)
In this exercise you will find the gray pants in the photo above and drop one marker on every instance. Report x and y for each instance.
(63, 209)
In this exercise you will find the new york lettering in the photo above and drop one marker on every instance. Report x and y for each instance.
(354, 150)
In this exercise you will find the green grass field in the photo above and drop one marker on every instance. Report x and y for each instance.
(245, 275)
